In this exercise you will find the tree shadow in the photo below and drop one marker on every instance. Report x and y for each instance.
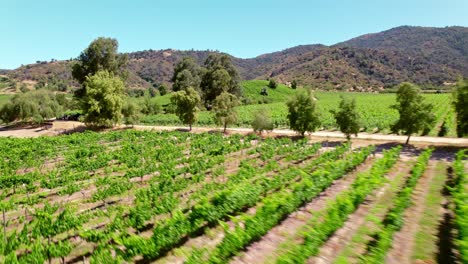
(446, 239)
(22, 126)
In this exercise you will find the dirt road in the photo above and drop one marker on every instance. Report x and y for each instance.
(66, 126)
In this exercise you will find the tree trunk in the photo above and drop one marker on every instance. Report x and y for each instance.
(4, 226)
(225, 126)
(48, 255)
(407, 140)
(190, 127)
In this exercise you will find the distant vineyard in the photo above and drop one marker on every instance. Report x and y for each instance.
(172, 197)
(375, 111)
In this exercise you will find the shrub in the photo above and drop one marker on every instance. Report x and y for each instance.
(262, 121)
(272, 84)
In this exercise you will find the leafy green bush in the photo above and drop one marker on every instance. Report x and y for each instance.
(262, 121)
(33, 106)
(272, 84)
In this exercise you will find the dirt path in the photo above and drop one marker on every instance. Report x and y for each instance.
(343, 236)
(403, 240)
(265, 248)
(59, 127)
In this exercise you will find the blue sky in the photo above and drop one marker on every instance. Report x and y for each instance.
(60, 29)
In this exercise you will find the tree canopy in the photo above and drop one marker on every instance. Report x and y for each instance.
(272, 84)
(220, 76)
(223, 107)
(104, 99)
(415, 114)
(101, 55)
(130, 112)
(460, 102)
(32, 106)
(187, 73)
(302, 114)
(262, 121)
(347, 117)
(186, 103)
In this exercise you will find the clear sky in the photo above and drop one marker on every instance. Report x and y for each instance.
(60, 29)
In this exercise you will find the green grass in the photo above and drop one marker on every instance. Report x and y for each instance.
(251, 90)
(425, 245)
(163, 99)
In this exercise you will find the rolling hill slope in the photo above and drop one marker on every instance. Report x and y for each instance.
(426, 56)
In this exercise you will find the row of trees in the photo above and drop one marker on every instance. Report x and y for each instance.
(217, 76)
(100, 70)
(34, 106)
(415, 115)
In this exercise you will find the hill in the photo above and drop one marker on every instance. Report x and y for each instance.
(440, 46)
(280, 94)
(426, 56)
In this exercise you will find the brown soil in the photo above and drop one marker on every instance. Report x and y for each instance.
(338, 241)
(403, 240)
(60, 127)
(261, 250)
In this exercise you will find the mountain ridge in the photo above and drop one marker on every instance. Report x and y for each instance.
(423, 55)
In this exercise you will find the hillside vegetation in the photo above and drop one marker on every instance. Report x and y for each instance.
(252, 89)
(425, 56)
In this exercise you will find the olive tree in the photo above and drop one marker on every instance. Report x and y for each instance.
(186, 104)
(302, 114)
(415, 114)
(220, 75)
(262, 121)
(224, 109)
(33, 106)
(187, 73)
(101, 55)
(347, 117)
(104, 99)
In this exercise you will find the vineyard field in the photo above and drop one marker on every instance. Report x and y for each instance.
(376, 114)
(129, 196)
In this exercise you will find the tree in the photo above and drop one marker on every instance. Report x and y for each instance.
(347, 118)
(294, 84)
(184, 80)
(150, 107)
(104, 98)
(130, 112)
(187, 73)
(33, 106)
(415, 115)
(186, 103)
(272, 84)
(220, 76)
(460, 102)
(162, 89)
(302, 114)
(219, 83)
(100, 55)
(262, 121)
(223, 108)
